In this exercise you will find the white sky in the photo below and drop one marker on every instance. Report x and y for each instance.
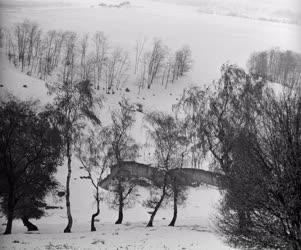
(279, 3)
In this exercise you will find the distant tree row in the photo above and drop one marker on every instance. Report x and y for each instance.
(160, 64)
(283, 67)
(74, 57)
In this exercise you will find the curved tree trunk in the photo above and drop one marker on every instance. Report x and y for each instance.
(29, 225)
(93, 228)
(70, 220)
(120, 214)
(150, 223)
(175, 209)
(9, 223)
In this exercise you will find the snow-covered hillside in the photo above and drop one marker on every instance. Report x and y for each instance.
(213, 41)
(194, 230)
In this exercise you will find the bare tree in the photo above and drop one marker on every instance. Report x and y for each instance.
(283, 67)
(178, 186)
(142, 73)
(90, 67)
(116, 69)
(101, 50)
(123, 148)
(69, 58)
(122, 194)
(53, 44)
(139, 47)
(21, 35)
(35, 54)
(168, 69)
(34, 34)
(25, 34)
(11, 47)
(74, 102)
(83, 60)
(155, 60)
(92, 151)
(170, 148)
(183, 62)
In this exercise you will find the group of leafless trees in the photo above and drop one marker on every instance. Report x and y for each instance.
(250, 133)
(35, 140)
(77, 70)
(160, 64)
(283, 67)
(67, 54)
(169, 137)
(71, 57)
(113, 145)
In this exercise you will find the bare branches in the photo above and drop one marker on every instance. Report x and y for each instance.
(171, 147)
(83, 60)
(139, 47)
(74, 58)
(283, 67)
(93, 152)
(101, 50)
(115, 71)
(249, 133)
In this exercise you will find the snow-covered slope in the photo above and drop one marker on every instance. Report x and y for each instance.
(213, 39)
(21, 85)
(194, 228)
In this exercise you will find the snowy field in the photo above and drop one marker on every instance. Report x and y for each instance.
(213, 39)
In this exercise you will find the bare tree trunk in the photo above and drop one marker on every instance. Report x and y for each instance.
(93, 228)
(9, 223)
(138, 49)
(175, 209)
(70, 221)
(120, 215)
(120, 210)
(29, 225)
(150, 223)
(10, 215)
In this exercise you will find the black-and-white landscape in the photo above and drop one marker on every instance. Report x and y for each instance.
(148, 124)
